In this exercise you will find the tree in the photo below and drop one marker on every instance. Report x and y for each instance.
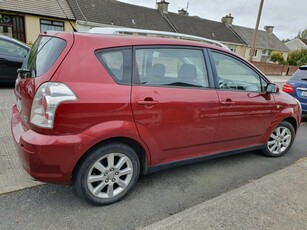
(277, 56)
(297, 57)
(302, 34)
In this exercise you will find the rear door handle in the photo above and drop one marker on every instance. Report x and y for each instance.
(148, 101)
(227, 102)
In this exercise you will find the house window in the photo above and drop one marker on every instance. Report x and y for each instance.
(232, 48)
(264, 52)
(51, 25)
(255, 53)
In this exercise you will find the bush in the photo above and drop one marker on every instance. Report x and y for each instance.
(277, 56)
(298, 57)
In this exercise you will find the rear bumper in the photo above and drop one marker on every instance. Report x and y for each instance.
(47, 158)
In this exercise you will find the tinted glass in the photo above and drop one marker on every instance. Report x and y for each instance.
(43, 54)
(170, 67)
(118, 62)
(235, 75)
(11, 49)
(300, 75)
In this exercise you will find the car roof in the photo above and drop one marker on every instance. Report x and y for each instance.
(14, 41)
(117, 40)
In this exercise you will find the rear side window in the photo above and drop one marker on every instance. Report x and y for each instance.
(300, 75)
(118, 62)
(43, 55)
(175, 66)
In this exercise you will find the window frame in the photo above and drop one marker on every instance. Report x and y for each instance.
(262, 78)
(52, 24)
(206, 62)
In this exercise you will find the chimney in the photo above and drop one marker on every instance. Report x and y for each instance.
(183, 12)
(228, 19)
(163, 6)
(269, 29)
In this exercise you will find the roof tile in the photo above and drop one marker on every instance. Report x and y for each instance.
(49, 8)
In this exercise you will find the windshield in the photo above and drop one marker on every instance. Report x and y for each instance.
(43, 55)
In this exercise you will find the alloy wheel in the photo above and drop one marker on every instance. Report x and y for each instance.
(110, 175)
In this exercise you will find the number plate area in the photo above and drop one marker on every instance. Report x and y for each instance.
(303, 93)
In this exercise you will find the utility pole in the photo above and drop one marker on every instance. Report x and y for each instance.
(251, 54)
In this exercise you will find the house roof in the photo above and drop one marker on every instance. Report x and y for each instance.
(112, 12)
(203, 27)
(265, 40)
(48, 8)
(303, 40)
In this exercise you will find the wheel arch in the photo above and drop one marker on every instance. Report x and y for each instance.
(292, 121)
(135, 145)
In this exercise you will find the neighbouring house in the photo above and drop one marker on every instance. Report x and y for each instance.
(106, 13)
(183, 23)
(24, 20)
(297, 44)
(266, 41)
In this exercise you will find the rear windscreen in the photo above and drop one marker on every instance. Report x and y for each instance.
(43, 55)
(300, 75)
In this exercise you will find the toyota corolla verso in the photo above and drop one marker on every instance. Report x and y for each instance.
(97, 110)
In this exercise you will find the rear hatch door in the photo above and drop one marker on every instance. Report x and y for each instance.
(40, 65)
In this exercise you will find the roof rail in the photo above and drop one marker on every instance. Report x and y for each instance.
(154, 33)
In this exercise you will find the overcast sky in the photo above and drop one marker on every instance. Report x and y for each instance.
(287, 16)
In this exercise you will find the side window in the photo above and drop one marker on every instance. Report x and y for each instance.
(235, 75)
(299, 75)
(10, 49)
(118, 62)
(170, 67)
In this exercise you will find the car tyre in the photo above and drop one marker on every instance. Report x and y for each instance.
(280, 140)
(107, 174)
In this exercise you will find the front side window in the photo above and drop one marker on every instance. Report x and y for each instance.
(46, 25)
(170, 67)
(235, 75)
(43, 55)
(8, 48)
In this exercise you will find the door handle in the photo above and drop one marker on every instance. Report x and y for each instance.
(228, 102)
(148, 101)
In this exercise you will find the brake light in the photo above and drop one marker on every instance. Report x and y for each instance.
(46, 100)
(288, 88)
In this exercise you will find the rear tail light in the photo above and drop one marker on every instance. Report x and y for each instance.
(288, 88)
(46, 100)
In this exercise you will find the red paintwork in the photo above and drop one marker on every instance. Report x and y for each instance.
(185, 123)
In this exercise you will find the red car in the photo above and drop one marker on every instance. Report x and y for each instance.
(97, 110)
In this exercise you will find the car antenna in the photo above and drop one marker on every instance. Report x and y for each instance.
(74, 29)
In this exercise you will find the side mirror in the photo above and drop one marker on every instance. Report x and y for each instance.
(272, 88)
(23, 73)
